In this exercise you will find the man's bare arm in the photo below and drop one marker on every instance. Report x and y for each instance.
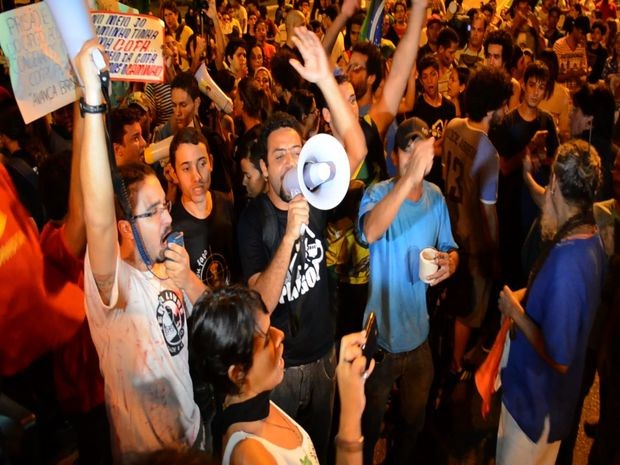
(97, 190)
(316, 69)
(75, 231)
(349, 7)
(384, 110)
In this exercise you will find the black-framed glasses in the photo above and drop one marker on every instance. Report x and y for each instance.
(157, 210)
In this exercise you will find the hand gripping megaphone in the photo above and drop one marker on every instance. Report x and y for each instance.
(208, 87)
(322, 173)
(158, 151)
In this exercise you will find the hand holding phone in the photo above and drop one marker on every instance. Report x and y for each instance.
(370, 348)
(175, 237)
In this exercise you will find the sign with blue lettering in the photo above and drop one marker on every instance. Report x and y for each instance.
(133, 44)
(41, 74)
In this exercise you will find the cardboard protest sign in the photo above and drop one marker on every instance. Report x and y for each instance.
(133, 44)
(40, 70)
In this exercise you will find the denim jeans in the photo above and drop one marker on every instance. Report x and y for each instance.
(413, 371)
(307, 394)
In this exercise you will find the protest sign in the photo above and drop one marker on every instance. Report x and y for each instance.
(133, 44)
(40, 70)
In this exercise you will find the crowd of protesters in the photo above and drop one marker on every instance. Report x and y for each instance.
(483, 137)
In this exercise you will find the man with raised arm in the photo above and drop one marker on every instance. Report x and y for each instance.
(288, 268)
(139, 292)
(400, 218)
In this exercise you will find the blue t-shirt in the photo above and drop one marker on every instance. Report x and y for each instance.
(397, 295)
(562, 302)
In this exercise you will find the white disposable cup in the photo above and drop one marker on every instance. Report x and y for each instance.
(427, 263)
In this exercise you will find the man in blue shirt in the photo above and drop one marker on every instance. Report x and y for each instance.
(399, 218)
(545, 364)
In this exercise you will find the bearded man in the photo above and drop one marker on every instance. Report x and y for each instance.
(553, 315)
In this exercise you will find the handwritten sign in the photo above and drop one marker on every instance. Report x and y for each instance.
(133, 44)
(41, 74)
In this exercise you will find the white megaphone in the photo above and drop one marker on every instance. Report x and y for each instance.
(322, 174)
(208, 87)
(158, 151)
(75, 26)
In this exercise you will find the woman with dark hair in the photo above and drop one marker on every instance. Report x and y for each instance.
(303, 107)
(251, 104)
(557, 100)
(234, 348)
(456, 88)
(255, 58)
(249, 158)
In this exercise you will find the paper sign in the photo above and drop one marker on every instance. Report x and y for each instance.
(41, 73)
(133, 44)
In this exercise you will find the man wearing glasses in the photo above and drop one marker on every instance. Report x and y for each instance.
(139, 292)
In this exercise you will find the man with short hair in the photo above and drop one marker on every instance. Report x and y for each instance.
(397, 30)
(596, 51)
(434, 109)
(400, 218)
(447, 45)
(473, 52)
(433, 26)
(571, 52)
(525, 128)
(471, 167)
(551, 32)
(283, 257)
(235, 58)
(498, 50)
(204, 216)
(139, 292)
(126, 136)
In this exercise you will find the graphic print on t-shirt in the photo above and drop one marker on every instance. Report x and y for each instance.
(306, 273)
(171, 319)
(212, 269)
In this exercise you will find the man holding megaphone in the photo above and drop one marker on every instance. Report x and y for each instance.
(287, 267)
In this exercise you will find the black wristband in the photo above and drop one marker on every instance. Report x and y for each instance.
(93, 109)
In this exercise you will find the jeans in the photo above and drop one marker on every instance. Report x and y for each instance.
(307, 394)
(413, 371)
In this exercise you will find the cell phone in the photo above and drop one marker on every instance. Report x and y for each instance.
(175, 237)
(370, 348)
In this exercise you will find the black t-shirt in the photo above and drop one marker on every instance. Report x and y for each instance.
(303, 311)
(210, 242)
(514, 133)
(437, 119)
(21, 167)
(596, 61)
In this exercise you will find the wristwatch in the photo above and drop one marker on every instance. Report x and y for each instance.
(86, 108)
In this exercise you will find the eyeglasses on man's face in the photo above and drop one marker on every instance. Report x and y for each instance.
(157, 210)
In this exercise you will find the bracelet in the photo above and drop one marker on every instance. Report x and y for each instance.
(92, 109)
(349, 446)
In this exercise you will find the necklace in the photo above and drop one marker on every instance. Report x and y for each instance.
(285, 426)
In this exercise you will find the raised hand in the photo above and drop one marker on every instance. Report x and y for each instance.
(421, 159)
(316, 64)
(349, 7)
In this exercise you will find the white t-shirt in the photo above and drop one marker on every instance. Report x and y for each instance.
(304, 454)
(141, 340)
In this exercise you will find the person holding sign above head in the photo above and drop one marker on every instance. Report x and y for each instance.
(139, 292)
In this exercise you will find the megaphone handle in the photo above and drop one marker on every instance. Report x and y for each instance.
(98, 60)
